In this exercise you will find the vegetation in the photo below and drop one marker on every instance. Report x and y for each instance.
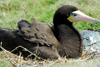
(5, 63)
(12, 11)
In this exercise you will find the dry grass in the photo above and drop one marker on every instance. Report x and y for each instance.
(87, 59)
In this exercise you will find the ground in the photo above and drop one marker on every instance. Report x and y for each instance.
(12, 11)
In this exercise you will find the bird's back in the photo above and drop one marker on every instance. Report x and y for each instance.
(36, 32)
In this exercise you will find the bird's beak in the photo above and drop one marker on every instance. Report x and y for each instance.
(79, 16)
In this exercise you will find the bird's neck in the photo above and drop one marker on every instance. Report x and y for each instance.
(66, 32)
(69, 38)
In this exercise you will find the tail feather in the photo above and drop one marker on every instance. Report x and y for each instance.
(6, 34)
(10, 40)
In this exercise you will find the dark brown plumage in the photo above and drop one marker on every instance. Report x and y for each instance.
(47, 42)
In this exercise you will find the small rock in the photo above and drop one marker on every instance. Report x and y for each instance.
(91, 40)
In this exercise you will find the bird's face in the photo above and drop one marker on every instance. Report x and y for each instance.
(79, 16)
(70, 13)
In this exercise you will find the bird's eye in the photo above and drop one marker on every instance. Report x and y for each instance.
(73, 14)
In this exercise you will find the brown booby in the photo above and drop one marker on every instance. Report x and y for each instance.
(60, 40)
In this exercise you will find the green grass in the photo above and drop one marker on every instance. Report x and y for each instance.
(91, 63)
(12, 11)
(5, 63)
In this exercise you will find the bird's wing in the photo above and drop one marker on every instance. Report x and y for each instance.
(36, 32)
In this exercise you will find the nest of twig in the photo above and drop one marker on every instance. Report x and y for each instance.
(18, 61)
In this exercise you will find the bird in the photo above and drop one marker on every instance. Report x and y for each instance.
(45, 41)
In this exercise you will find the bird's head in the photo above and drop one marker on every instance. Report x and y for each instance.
(72, 14)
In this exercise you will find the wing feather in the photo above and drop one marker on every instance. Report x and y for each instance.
(36, 32)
